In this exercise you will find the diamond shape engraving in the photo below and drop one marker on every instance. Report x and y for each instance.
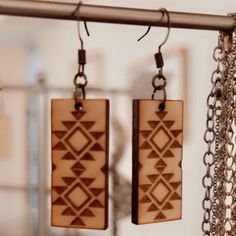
(160, 192)
(161, 139)
(78, 196)
(78, 169)
(78, 140)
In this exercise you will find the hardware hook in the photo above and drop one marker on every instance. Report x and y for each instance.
(164, 12)
(77, 15)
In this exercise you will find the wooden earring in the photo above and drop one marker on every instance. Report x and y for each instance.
(157, 156)
(80, 134)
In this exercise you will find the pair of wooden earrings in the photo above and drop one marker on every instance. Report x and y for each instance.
(80, 144)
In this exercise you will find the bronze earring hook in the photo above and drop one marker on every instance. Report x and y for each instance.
(80, 86)
(76, 13)
(159, 81)
(168, 29)
(164, 12)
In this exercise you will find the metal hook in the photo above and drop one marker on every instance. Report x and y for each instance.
(77, 15)
(164, 12)
(169, 27)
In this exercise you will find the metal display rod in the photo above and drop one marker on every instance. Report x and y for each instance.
(132, 16)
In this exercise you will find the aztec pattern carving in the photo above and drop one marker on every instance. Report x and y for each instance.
(157, 156)
(80, 164)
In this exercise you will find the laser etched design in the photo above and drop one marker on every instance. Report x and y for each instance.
(157, 156)
(80, 164)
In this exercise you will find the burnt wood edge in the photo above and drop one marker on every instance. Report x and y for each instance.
(51, 220)
(107, 165)
(181, 202)
(135, 150)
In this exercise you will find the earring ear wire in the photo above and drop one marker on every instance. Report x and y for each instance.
(164, 12)
(76, 13)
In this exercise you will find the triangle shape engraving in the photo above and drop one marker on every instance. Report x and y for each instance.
(152, 178)
(168, 176)
(153, 207)
(87, 157)
(167, 206)
(59, 146)
(145, 145)
(168, 153)
(59, 189)
(175, 185)
(104, 169)
(175, 144)
(77, 221)
(96, 204)
(53, 167)
(87, 181)
(96, 191)
(145, 187)
(78, 165)
(78, 114)
(69, 124)
(161, 114)
(59, 202)
(160, 169)
(160, 163)
(180, 164)
(97, 135)
(68, 212)
(87, 213)
(168, 123)
(175, 196)
(59, 134)
(139, 166)
(87, 124)
(96, 147)
(160, 216)
(145, 133)
(153, 123)
(68, 156)
(77, 168)
(176, 133)
(145, 199)
(78, 172)
(153, 154)
(69, 180)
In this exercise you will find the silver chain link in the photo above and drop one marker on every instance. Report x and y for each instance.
(219, 182)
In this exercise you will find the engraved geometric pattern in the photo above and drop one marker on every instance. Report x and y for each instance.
(158, 151)
(79, 164)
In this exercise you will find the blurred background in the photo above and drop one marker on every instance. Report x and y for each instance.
(38, 60)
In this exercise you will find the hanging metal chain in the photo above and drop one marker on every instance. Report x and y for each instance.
(219, 203)
(217, 78)
(233, 177)
(208, 224)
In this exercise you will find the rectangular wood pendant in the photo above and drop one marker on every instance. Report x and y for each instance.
(157, 156)
(80, 164)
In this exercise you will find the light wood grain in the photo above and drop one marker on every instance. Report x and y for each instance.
(80, 164)
(157, 156)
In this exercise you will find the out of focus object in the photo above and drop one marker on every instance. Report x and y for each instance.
(121, 186)
(5, 129)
